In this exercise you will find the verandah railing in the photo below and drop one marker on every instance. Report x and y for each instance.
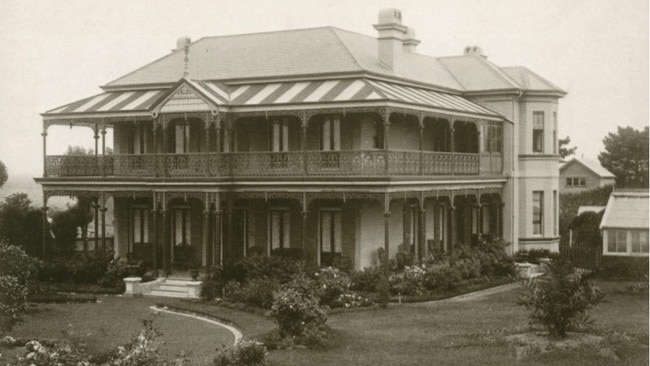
(265, 164)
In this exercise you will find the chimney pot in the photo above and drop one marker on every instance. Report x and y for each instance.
(410, 42)
(182, 42)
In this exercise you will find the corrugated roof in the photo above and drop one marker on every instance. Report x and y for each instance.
(626, 210)
(591, 165)
(274, 93)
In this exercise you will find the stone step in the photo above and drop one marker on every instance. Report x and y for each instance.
(163, 293)
(181, 282)
(172, 288)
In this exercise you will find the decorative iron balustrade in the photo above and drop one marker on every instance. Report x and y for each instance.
(363, 163)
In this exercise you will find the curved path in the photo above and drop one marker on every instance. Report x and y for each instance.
(236, 333)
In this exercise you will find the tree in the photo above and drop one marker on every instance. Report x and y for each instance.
(3, 174)
(565, 150)
(64, 228)
(22, 224)
(626, 156)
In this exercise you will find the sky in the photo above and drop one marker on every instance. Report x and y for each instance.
(57, 52)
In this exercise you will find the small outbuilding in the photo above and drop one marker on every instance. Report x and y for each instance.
(625, 224)
(579, 174)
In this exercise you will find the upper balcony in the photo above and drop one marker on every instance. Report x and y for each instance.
(375, 130)
(312, 164)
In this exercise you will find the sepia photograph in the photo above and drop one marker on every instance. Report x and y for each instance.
(318, 182)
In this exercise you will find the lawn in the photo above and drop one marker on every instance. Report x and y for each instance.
(449, 332)
(105, 325)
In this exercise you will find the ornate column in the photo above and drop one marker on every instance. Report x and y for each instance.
(217, 247)
(304, 123)
(422, 234)
(163, 155)
(96, 220)
(452, 147)
(218, 131)
(44, 231)
(230, 251)
(103, 210)
(156, 232)
(165, 236)
(386, 139)
(304, 227)
(44, 134)
(478, 144)
(103, 150)
(387, 234)
(421, 141)
(204, 231)
(96, 137)
(452, 218)
(436, 224)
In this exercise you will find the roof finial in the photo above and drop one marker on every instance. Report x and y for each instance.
(185, 43)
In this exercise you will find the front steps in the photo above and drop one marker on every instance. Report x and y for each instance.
(163, 287)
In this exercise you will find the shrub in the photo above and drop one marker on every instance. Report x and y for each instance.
(559, 300)
(443, 278)
(331, 283)
(244, 353)
(15, 262)
(629, 268)
(16, 273)
(366, 279)
(296, 310)
(80, 268)
(257, 292)
(280, 268)
(350, 300)
(115, 273)
(409, 282)
(383, 291)
(13, 296)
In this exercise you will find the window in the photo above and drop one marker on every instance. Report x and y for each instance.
(617, 241)
(138, 142)
(492, 136)
(378, 138)
(181, 137)
(330, 134)
(538, 131)
(279, 143)
(279, 229)
(555, 218)
(181, 226)
(279, 135)
(330, 236)
(639, 241)
(140, 228)
(576, 181)
(538, 212)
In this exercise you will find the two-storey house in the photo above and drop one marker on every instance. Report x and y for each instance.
(322, 142)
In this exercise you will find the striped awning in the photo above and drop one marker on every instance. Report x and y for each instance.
(275, 94)
(125, 101)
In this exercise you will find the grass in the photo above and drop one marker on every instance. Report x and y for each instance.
(449, 332)
(112, 322)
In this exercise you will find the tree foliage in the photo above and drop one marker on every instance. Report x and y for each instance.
(570, 202)
(3, 174)
(22, 224)
(565, 150)
(64, 229)
(626, 156)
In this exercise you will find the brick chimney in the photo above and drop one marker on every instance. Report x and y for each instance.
(390, 37)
